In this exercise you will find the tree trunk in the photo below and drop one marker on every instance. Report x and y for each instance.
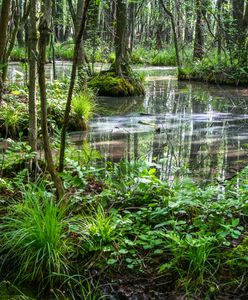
(78, 21)
(45, 30)
(169, 13)
(121, 60)
(32, 76)
(199, 35)
(4, 19)
(72, 84)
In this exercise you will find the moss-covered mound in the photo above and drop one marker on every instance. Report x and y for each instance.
(108, 84)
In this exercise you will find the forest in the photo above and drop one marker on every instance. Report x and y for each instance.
(123, 149)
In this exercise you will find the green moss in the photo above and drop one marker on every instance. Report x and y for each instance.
(108, 84)
(238, 257)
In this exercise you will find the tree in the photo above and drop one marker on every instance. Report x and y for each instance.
(77, 48)
(32, 55)
(45, 31)
(4, 20)
(169, 13)
(121, 55)
(199, 32)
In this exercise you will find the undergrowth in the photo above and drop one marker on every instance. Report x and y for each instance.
(125, 219)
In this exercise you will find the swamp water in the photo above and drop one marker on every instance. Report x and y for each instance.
(181, 127)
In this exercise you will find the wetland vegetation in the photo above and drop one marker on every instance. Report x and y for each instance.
(123, 173)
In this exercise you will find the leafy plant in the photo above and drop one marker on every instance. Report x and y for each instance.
(16, 155)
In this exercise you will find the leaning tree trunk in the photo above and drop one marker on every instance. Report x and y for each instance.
(45, 30)
(32, 76)
(72, 84)
(169, 13)
(4, 20)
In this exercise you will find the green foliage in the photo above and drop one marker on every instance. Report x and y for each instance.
(237, 259)
(100, 227)
(215, 69)
(85, 155)
(84, 104)
(165, 58)
(14, 117)
(17, 155)
(134, 222)
(34, 237)
(18, 54)
(64, 51)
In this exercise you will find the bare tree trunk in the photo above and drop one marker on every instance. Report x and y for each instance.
(169, 13)
(121, 60)
(4, 19)
(32, 76)
(72, 84)
(78, 21)
(45, 30)
(199, 37)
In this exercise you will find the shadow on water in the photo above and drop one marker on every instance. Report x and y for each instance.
(183, 128)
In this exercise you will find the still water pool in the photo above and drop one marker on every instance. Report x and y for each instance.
(181, 127)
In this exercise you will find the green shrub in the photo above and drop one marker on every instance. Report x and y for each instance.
(18, 54)
(165, 58)
(84, 104)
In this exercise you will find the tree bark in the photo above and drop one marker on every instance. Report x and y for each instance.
(121, 60)
(32, 105)
(4, 19)
(45, 30)
(72, 84)
(169, 13)
(199, 36)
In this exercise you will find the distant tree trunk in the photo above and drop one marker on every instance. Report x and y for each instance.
(121, 60)
(219, 28)
(4, 19)
(32, 76)
(79, 16)
(45, 30)
(72, 84)
(20, 16)
(199, 32)
(131, 25)
(169, 13)
(240, 16)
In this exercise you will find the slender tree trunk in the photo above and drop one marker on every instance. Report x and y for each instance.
(121, 61)
(32, 76)
(71, 87)
(19, 22)
(174, 32)
(4, 19)
(79, 17)
(199, 36)
(45, 30)
(219, 29)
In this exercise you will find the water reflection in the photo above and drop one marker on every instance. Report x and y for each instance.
(203, 130)
(183, 128)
